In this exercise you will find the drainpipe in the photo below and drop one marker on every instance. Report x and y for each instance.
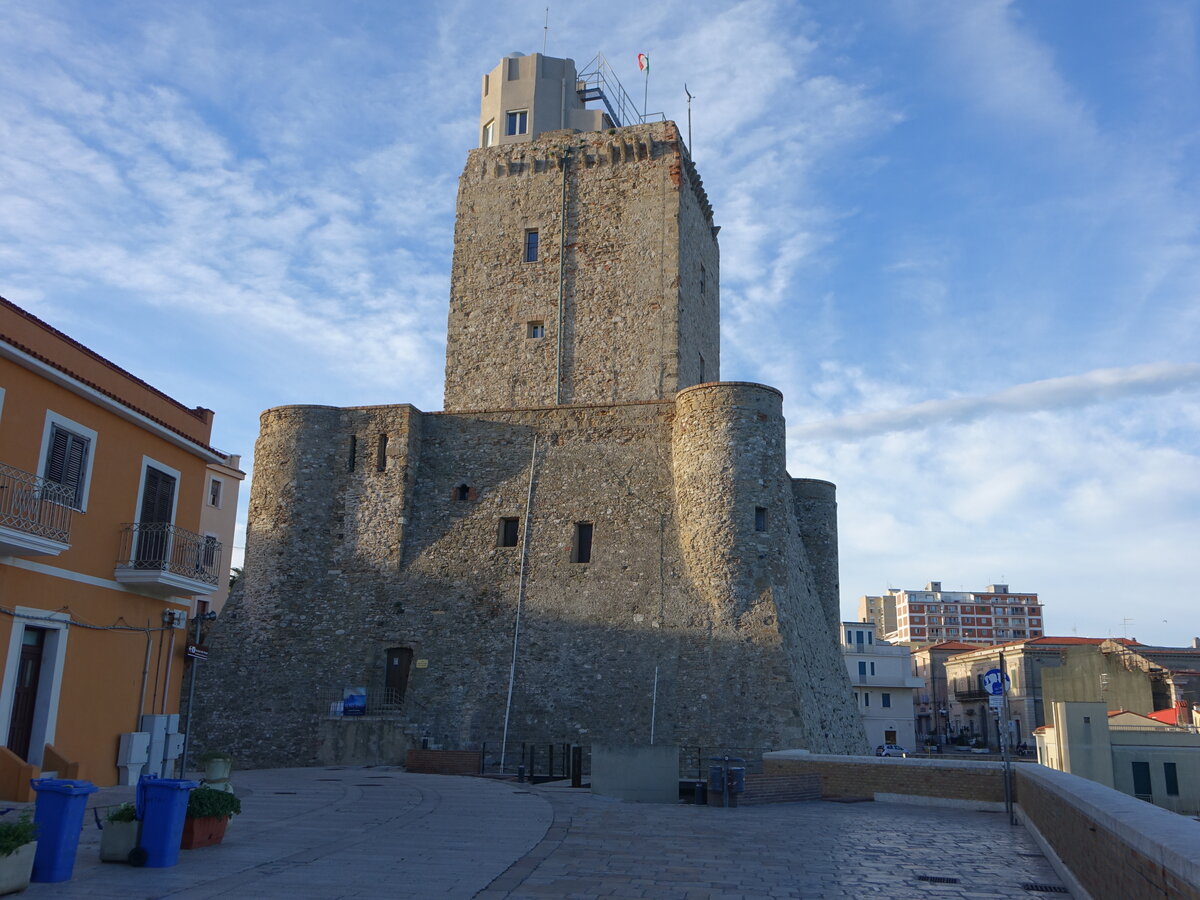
(512, 669)
(562, 265)
(137, 722)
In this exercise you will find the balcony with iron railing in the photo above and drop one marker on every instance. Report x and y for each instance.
(35, 514)
(167, 561)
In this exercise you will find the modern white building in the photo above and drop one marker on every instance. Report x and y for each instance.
(1133, 753)
(881, 675)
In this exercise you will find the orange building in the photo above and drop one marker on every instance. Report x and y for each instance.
(103, 480)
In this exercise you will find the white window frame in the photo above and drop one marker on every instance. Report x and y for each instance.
(220, 492)
(489, 132)
(1, 402)
(52, 419)
(516, 112)
(148, 462)
(54, 657)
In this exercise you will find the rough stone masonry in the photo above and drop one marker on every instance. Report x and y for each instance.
(588, 472)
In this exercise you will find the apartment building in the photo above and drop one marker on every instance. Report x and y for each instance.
(993, 615)
(103, 480)
(881, 676)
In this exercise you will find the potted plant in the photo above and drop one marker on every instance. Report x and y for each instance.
(208, 813)
(120, 834)
(217, 765)
(18, 845)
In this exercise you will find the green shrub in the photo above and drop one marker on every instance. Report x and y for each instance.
(207, 803)
(15, 835)
(126, 812)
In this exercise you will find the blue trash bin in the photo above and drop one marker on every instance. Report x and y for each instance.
(161, 806)
(58, 816)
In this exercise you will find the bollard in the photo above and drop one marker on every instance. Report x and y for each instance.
(521, 773)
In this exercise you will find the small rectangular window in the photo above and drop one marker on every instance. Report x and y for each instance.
(517, 122)
(351, 457)
(489, 134)
(872, 668)
(1141, 781)
(531, 245)
(703, 279)
(214, 493)
(581, 546)
(887, 700)
(381, 454)
(866, 699)
(760, 518)
(509, 531)
(1171, 776)
(862, 668)
(535, 330)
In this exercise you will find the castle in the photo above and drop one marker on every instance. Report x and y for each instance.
(595, 541)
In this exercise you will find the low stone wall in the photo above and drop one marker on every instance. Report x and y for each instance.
(975, 783)
(444, 762)
(1113, 845)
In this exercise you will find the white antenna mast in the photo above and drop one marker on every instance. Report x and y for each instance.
(546, 31)
(689, 96)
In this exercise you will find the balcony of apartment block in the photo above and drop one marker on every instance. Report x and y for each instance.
(167, 561)
(974, 694)
(35, 514)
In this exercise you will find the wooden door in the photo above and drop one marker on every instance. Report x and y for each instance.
(29, 669)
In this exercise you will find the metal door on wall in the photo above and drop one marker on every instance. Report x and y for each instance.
(29, 669)
(395, 673)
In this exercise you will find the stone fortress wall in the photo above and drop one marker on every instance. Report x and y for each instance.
(378, 528)
(344, 562)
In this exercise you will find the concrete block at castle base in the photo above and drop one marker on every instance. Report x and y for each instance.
(641, 773)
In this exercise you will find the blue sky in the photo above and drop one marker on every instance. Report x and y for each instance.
(961, 237)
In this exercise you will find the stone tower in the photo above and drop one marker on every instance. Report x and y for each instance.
(595, 539)
(585, 271)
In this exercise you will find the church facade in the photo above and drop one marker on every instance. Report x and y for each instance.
(596, 540)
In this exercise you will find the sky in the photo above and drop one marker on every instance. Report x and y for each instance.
(962, 238)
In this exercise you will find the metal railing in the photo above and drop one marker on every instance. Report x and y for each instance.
(34, 505)
(160, 546)
(600, 82)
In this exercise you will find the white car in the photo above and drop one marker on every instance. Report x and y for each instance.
(890, 750)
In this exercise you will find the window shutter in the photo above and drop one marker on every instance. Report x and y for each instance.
(66, 463)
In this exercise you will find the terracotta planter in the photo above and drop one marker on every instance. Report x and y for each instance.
(117, 840)
(202, 832)
(16, 868)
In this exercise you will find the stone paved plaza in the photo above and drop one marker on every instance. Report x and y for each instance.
(380, 832)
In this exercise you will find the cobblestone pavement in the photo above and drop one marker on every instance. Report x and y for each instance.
(379, 832)
(599, 847)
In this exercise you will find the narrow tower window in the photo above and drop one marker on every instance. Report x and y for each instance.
(517, 122)
(535, 330)
(350, 458)
(463, 492)
(760, 518)
(703, 279)
(489, 133)
(701, 368)
(509, 531)
(581, 546)
(531, 245)
(381, 454)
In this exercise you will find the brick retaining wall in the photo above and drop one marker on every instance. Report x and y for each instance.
(865, 776)
(443, 762)
(1113, 844)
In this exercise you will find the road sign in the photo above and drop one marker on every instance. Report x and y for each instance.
(995, 682)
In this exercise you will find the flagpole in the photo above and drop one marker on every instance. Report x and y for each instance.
(646, 92)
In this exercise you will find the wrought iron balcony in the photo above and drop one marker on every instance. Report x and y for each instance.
(973, 694)
(35, 514)
(162, 559)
